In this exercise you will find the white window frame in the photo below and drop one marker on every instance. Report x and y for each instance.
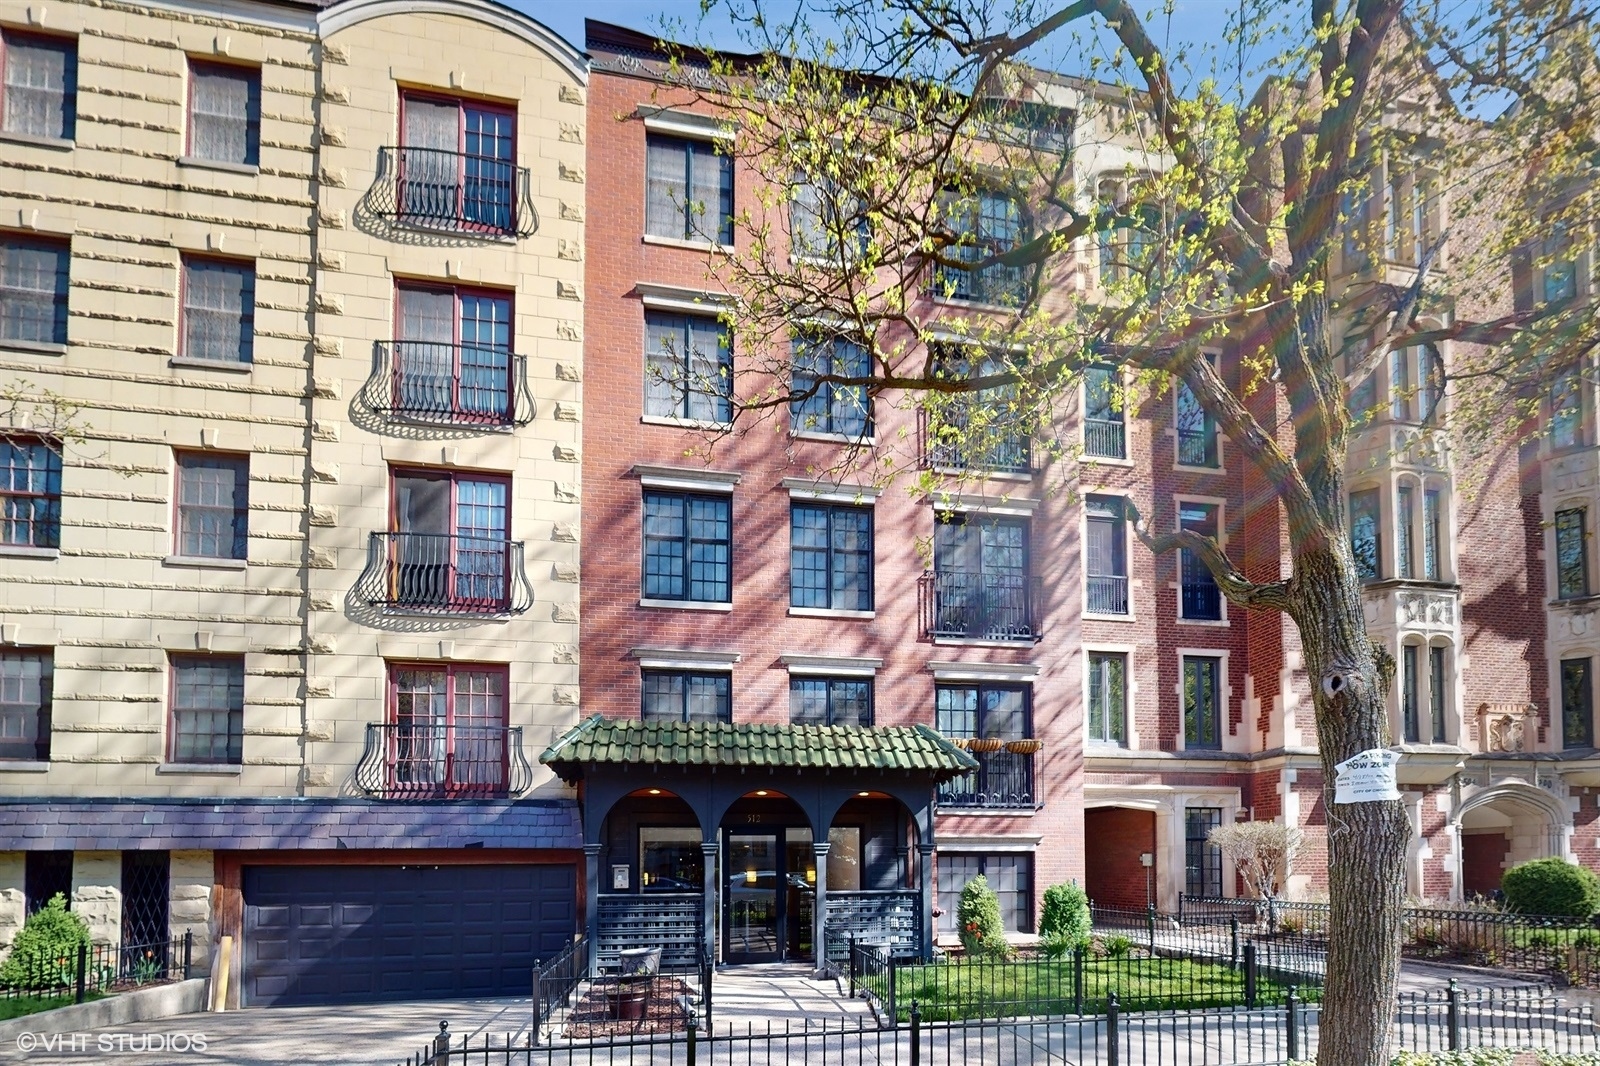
(1221, 504)
(1130, 688)
(1127, 554)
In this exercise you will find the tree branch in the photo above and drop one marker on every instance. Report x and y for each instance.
(1270, 595)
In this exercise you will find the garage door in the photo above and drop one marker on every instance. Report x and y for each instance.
(352, 934)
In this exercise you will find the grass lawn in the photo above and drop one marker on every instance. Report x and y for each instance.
(959, 989)
(21, 1005)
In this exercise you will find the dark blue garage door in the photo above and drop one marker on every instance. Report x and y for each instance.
(355, 934)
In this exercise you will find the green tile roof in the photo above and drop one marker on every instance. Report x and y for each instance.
(621, 741)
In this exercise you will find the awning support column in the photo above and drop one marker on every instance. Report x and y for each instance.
(819, 915)
(708, 899)
(925, 877)
(591, 899)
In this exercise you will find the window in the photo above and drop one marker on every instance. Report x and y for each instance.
(1199, 598)
(452, 358)
(1125, 246)
(1106, 555)
(688, 547)
(1362, 402)
(830, 701)
(825, 220)
(1202, 701)
(982, 588)
(1197, 431)
(26, 681)
(978, 430)
(987, 716)
(1409, 709)
(1108, 693)
(1437, 692)
(1010, 875)
(682, 696)
(1432, 536)
(670, 859)
(207, 709)
(986, 224)
(1430, 383)
(1566, 409)
(688, 190)
(46, 874)
(449, 547)
(213, 505)
(448, 727)
(830, 557)
(1410, 219)
(1400, 392)
(1577, 704)
(33, 290)
(841, 409)
(219, 310)
(224, 113)
(688, 368)
(1559, 276)
(1366, 543)
(457, 164)
(1405, 554)
(30, 492)
(1103, 428)
(1202, 867)
(41, 85)
(1572, 563)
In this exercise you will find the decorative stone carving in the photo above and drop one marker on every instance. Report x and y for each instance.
(1427, 608)
(1507, 727)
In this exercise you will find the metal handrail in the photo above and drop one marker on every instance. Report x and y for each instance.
(449, 384)
(1006, 453)
(1107, 594)
(970, 605)
(1105, 438)
(445, 573)
(458, 192)
(1003, 780)
(434, 760)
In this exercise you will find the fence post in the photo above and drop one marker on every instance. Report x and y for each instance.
(1113, 1048)
(894, 1015)
(1453, 1016)
(711, 973)
(1150, 926)
(689, 1051)
(1294, 1025)
(852, 964)
(83, 969)
(916, 1035)
(1250, 974)
(538, 1002)
(188, 952)
(441, 1046)
(1233, 954)
(1078, 955)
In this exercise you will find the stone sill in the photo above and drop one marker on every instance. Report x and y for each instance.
(205, 562)
(218, 164)
(184, 361)
(828, 612)
(205, 768)
(684, 243)
(684, 605)
(25, 551)
(60, 144)
(23, 766)
(34, 347)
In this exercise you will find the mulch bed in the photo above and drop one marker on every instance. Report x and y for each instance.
(592, 1017)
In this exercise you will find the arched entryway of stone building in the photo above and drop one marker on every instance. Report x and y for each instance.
(1117, 843)
(1499, 827)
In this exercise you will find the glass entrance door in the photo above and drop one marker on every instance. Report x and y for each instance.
(752, 907)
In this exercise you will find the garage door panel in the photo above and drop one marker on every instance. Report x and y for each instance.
(360, 933)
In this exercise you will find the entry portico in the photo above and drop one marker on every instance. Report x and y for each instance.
(818, 831)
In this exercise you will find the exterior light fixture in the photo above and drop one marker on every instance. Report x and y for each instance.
(863, 794)
(655, 792)
(749, 877)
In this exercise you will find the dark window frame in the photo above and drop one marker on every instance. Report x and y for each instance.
(1368, 560)
(1199, 597)
(248, 73)
(993, 232)
(184, 511)
(722, 684)
(1411, 693)
(831, 696)
(22, 739)
(233, 738)
(1438, 691)
(693, 227)
(838, 599)
(836, 410)
(1105, 421)
(504, 386)
(684, 385)
(11, 331)
(43, 531)
(1202, 866)
(686, 542)
(1024, 908)
(1106, 582)
(1196, 735)
(1572, 560)
(1576, 678)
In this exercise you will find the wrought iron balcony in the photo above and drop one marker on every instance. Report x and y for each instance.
(444, 573)
(1197, 447)
(960, 605)
(1107, 594)
(1008, 453)
(1105, 438)
(442, 760)
(449, 384)
(1202, 601)
(1003, 780)
(457, 192)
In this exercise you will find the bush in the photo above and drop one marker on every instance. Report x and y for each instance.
(45, 950)
(1118, 947)
(1551, 886)
(978, 917)
(1064, 920)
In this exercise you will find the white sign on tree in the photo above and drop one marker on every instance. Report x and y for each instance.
(1368, 777)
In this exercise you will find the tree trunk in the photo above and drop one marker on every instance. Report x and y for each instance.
(1366, 841)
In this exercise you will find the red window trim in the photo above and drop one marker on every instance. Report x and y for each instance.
(199, 63)
(403, 284)
(178, 455)
(7, 492)
(173, 659)
(462, 102)
(9, 34)
(447, 473)
(449, 786)
(184, 259)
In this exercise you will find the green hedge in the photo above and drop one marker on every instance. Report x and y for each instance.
(1551, 887)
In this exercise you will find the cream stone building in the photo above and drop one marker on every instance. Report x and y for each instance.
(290, 297)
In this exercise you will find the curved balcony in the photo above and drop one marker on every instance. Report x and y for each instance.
(961, 605)
(445, 574)
(441, 760)
(449, 385)
(455, 192)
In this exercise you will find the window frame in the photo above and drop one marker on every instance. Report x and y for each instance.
(201, 65)
(1376, 570)
(240, 519)
(723, 678)
(828, 192)
(1120, 526)
(831, 593)
(51, 496)
(1219, 708)
(1024, 907)
(450, 670)
(1118, 414)
(828, 395)
(685, 497)
(60, 297)
(247, 318)
(235, 715)
(1210, 864)
(977, 286)
(1584, 737)
(455, 599)
(1210, 433)
(458, 294)
(42, 712)
(692, 148)
(830, 681)
(69, 92)
(1582, 554)
(1103, 737)
(1410, 692)
(1192, 571)
(684, 389)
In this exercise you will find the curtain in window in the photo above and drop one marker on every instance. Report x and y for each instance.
(226, 114)
(213, 506)
(33, 291)
(41, 86)
(430, 176)
(424, 359)
(218, 311)
(421, 714)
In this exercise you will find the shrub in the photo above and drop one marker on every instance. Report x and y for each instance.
(978, 918)
(1064, 919)
(1118, 947)
(1551, 886)
(45, 949)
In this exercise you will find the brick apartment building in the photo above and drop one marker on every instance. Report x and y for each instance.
(277, 635)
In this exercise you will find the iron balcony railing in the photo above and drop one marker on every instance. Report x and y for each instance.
(962, 605)
(1202, 601)
(1003, 780)
(1105, 438)
(1197, 447)
(1006, 453)
(444, 573)
(443, 760)
(1107, 594)
(458, 192)
(449, 384)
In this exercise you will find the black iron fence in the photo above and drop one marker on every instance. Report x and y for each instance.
(449, 384)
(97, 970)
(556, 980)
(970, 605)
(455, 192)
(443, 760)
(443, 573)
(1003, 780)
(1197, 447)
(1449, 1020)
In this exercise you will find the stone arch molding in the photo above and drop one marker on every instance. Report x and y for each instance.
(354, 12)
(1557, 824)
